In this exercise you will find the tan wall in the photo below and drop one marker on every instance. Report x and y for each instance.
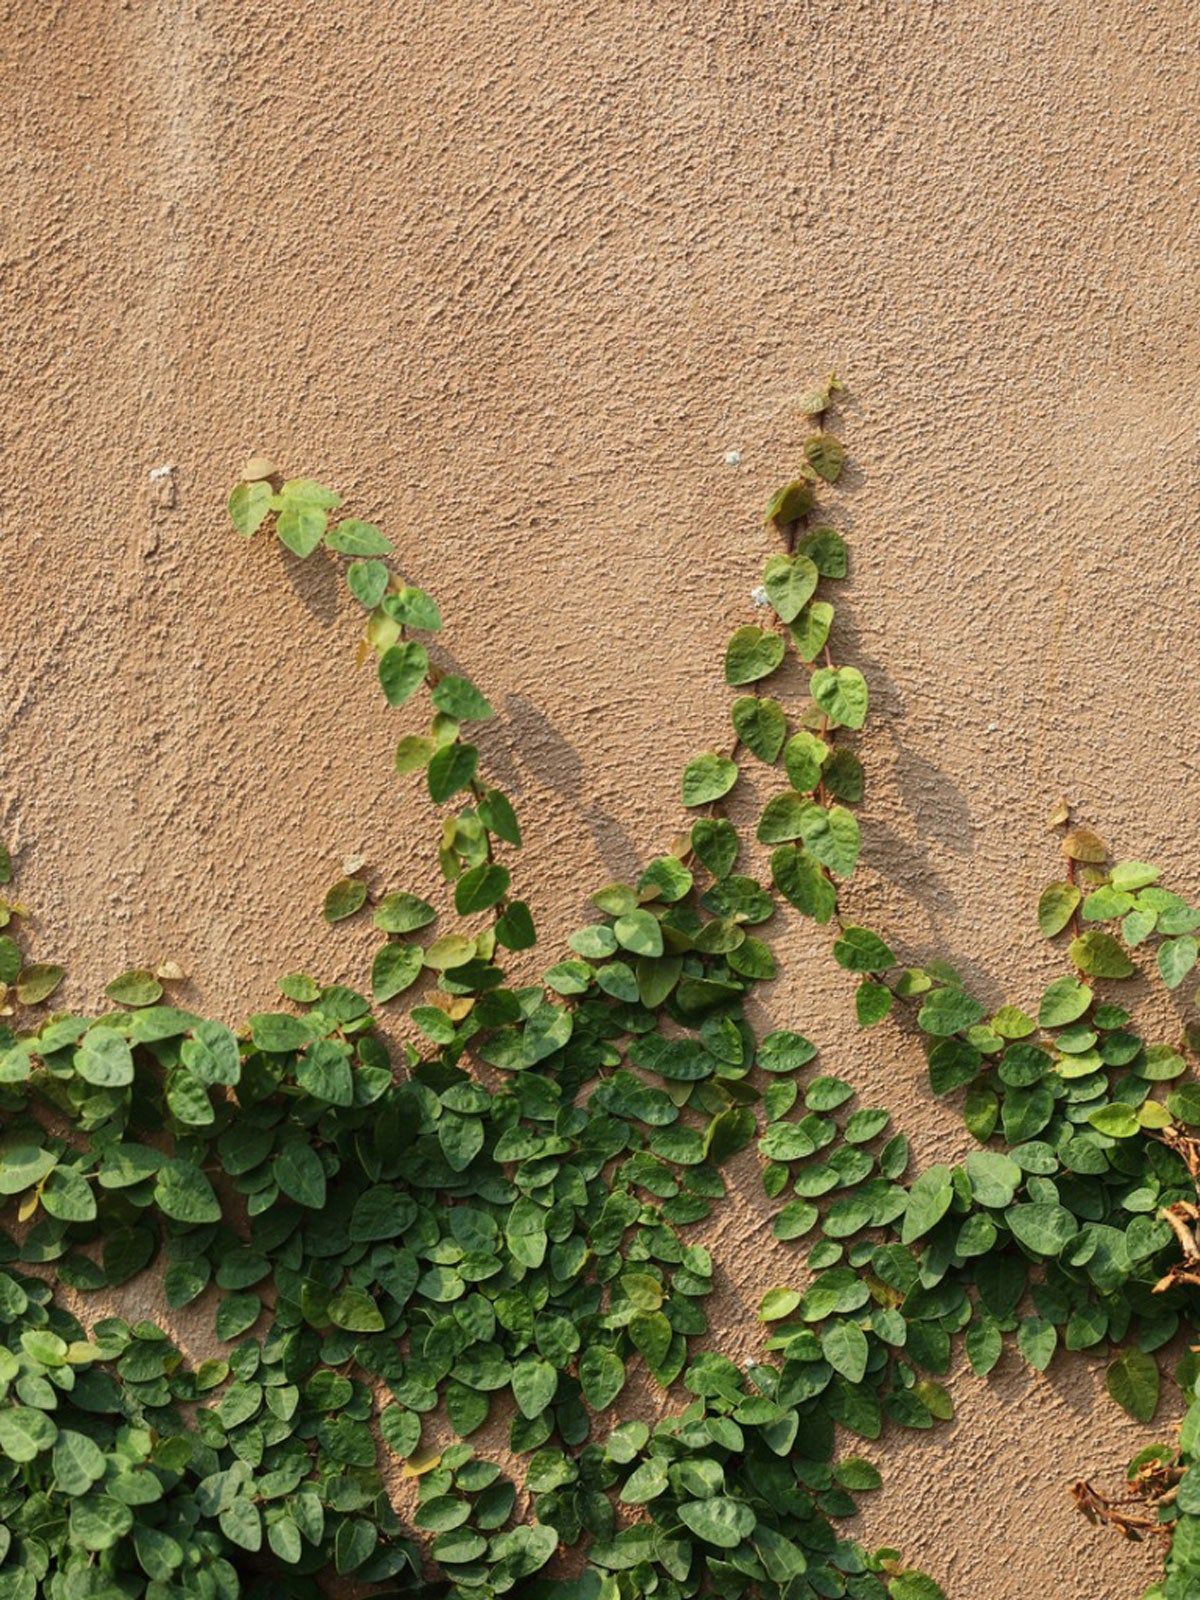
(517, 276)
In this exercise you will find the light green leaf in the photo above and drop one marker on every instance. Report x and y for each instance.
(1176, 958)
(1099, 955)
(841, 693)
(355, 538)
(104, 1059)
(720, 1521)
(825, 455)
(752, 653)
(1064, 1001)
(1056, 907)
(790, 582)
(844, 1346)
(707, 778)
(249, 505)
(367, 581)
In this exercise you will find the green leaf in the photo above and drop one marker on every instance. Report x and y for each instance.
(1133, 1382)
(1176, 958)
(1045, 1228)
(857, 1474)
(249, 505)
(22, 1166)
(38, 982)
(298, 1171)
(345, 897)
(1064, 1001)
(515, 930)
(184, 1193)
(78, 1463)
(825, 455)
(1115, 1121)
(811, 629)
(601, 1375)
(10, 959)
(761, 725)
(841, 693)
(452, 768)
(402, 669)
(367, 581)
(720, 1521)
(804, 757)
(913, 1586)
(324, 1072)
(715, 841)
(308, 492)
(1099, 955)
(279, 1032)
(1037, 1341)
(872, 1002)
(995, 1178)
(534, 1383)
(98, 1522)
(396, 967)
(1128, 876)
(707, 778)
(401, 1430)
(301, 527)
(403, 913)
(354, 1309)
(802, 882)
(104, 1059)
(984, 1343)
(860, 950)
(929, 1200)
(480, 888)
(25, 1432)
(413, 753)
(949, 1011)
(241, 1523)
(790, 581)
(832, 837)
(413, 608)
(137, 987)
(460, 699)
(844, 1346)
(640, 932)
(752, 653)
(789, 504)
(355, 538)
(68, 1196)
(1056, 907)
(777, 1303)
(495, 811)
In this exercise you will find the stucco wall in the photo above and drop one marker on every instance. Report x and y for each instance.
(517, 276)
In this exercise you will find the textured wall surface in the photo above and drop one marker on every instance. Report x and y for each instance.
(517, 276)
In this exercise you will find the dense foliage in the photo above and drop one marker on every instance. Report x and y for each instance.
(502, 1224)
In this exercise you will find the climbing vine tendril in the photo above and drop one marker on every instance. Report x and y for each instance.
(434, 1267)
